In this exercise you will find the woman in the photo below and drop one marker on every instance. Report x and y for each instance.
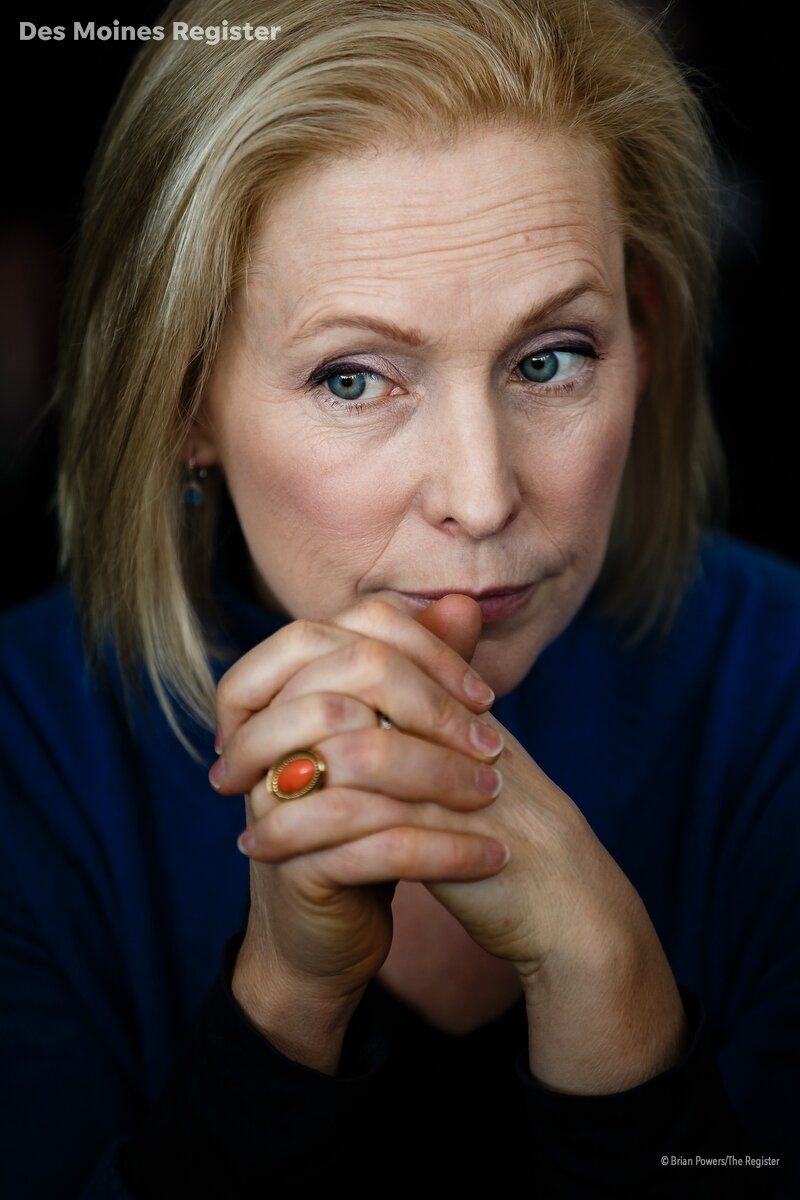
(386, 450)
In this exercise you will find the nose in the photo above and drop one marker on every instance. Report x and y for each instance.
(471, 484)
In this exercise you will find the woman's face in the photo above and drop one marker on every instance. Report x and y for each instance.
(429, 383)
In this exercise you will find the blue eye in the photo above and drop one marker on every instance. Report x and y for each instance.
(544, 365)
(352, 385)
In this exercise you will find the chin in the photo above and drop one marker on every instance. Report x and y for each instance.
(503, 657)
(504, 664)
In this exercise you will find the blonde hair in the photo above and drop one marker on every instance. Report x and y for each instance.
(204, 135)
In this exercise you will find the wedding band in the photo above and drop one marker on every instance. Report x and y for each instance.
(296, 775)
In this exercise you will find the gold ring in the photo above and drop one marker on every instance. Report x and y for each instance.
(296, 775)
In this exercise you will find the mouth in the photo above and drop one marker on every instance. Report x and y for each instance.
(495, 603)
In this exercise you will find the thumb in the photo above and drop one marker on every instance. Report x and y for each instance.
(457, 620)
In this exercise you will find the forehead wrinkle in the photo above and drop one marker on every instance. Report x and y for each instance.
(441, 210)
(533, 246)
(327, 305)
(458, 231)
(443, 227)
(447, 214)
(484, 261)
(588, 237)
(326, 293)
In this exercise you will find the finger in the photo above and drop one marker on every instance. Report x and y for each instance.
(331, 817)
(420, 638)
(416, 855)
(256, 678)
(299, 723)
(257, 802)
(384, 679)
(390, 854)
(367, 757)
(457, 620)
(373, 674)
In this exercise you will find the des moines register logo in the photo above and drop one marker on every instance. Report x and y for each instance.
(179, 31)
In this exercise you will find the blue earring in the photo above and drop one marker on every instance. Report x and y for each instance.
(193, 492)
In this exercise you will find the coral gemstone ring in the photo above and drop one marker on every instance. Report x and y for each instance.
(296, 775)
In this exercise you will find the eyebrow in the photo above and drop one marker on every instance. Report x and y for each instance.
(416, 338)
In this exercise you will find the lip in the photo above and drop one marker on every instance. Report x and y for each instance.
(495, 603)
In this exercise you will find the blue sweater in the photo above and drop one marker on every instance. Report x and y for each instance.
(128, 1068)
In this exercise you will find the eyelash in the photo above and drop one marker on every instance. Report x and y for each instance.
(316, 381)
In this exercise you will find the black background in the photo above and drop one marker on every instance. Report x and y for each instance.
(57, 96)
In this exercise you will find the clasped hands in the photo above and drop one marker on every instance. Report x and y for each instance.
(415, 802)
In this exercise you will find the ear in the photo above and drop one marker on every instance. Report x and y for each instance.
(200, 444)
(644, 307)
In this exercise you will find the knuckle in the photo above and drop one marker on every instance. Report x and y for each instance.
(440, 712)
(274, 832)
(379, 613)
(333, 709)
(371, 657)
(456, 776)
(284, 836)
(226, 689)
(460, 853)
(294, 639)
(297, 632)
(307, 632)
(257, 800)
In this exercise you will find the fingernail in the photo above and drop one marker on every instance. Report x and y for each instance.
(246, 842)
(484, 738)
(489, 781)
(217, 741)
(217, 773)
(497, 855)
(476, 689)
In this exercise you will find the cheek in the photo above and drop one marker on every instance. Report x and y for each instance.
(576, 493)
(306, 486)
(606, 461)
